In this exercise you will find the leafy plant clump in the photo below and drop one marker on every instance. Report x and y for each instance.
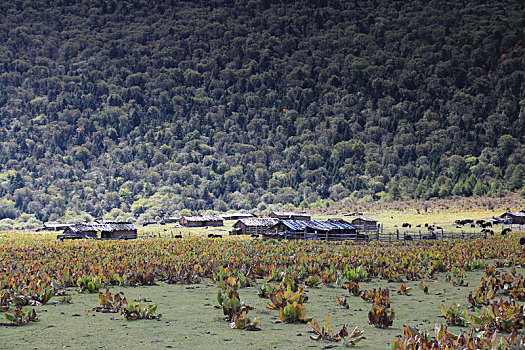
(443, 340)
(357, 274)
(241, 322)
(505, 316)
(140, 310)
(456, 316)
(264, 290)
(20, 316)
(404, 290)
(229, 300)
(289, 304)
(380, 296)
(109, 303)
(283, 297)
(89, 284)
(353, 288)
(132, 310)
(342, 302)
(380, 317)
(424, 286)
(293, 313)
(326, 332)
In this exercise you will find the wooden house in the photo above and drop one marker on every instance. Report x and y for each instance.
(236, 216)
(364, 224)
(322, 230)
(253, 226)
(201, 221)
(517, 218)
(170, 220)
(100, 230)
(288, 215)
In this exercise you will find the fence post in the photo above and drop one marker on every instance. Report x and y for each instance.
(397, 234)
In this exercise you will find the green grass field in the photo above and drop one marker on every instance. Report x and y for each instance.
(390, 219)
(190, 321)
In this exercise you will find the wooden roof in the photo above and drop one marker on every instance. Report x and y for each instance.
(257, 222)
(203, 218)
(102, 227)
(364, 218)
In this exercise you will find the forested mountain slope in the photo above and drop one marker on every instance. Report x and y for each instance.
(155, 106)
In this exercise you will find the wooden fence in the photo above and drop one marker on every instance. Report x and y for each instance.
(397, 236)
(408, 236)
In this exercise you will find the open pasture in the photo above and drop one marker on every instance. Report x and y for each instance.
(183, 276)
(391, 220)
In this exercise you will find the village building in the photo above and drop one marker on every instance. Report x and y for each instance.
(201, 221)
(100, 230)
(236, 216)
(364, 224)
(252, 226)
(170, 220)
(285, 215)
(516, 218)
(322, 230)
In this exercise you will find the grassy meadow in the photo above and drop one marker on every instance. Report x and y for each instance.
(189, 318)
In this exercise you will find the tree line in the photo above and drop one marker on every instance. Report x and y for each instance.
(144, 108)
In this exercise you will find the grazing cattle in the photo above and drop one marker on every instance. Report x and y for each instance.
(522, 240)
(458, 226)
(487, 224)
(418, 225)
(439, 228)
(473, 225)
(431, 228)
(486, 230)
(211, 235)
(177, 236)
(426, 225)
(406, 224)
(505, 231)
(480, 222)
(469, 221)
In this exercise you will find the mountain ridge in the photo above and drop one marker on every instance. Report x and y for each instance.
(151, 107)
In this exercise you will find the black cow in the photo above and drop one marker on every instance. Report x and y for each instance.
(211, 235)
(177, 236)
(522, 240)
(505, 231)
(406, 224)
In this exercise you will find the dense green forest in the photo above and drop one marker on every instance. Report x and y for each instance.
(144, 108)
